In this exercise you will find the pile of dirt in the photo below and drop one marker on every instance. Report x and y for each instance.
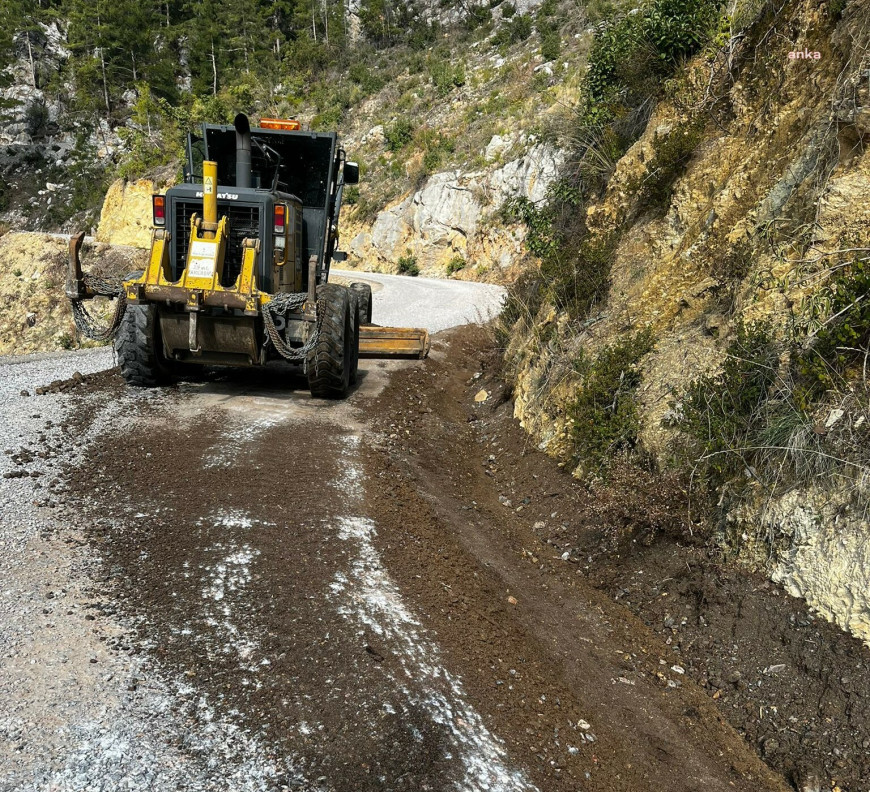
(795, 687)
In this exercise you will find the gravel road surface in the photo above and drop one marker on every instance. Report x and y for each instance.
(227, 585)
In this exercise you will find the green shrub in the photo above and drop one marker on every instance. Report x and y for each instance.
(508, 9)
(574, 265)
(520, 28)
(523, 300)
(839, 323)
(455, 264)
(327, 120)
(370, 82)
(351, 195)
(551, 45)
(436, 148)
(398, 134)
(632, 56)
(513, 31)
(547, 22)
(671, 153)
(478, 16)
(408, 264)
(728, 410)
(431, 160)
(445, 75)
(603, 414)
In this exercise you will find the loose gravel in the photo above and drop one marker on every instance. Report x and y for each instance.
(82, 708)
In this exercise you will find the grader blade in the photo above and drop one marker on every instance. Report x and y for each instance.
(393, 342)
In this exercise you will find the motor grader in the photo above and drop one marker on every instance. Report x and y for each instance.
(238, 272)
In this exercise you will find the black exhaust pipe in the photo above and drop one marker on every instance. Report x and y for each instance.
(243, 150)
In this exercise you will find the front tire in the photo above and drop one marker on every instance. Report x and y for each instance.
(139, 348)
(331, 361)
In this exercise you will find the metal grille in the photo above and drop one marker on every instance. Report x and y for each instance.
(244, 222)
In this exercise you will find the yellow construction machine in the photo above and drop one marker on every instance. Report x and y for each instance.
(238, 273)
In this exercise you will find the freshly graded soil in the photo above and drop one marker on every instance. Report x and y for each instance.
(793, 686)
(383, 589)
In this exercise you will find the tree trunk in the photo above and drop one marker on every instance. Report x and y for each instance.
(32, 64)
(105, 81)
(213, 70)
(245, 40)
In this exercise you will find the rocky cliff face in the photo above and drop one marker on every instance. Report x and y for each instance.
(455, 214)
(46, 156)
(776, 186)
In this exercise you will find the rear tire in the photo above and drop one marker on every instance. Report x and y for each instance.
(139, 348)
(331, 361)
(363, 293)
(354, 313)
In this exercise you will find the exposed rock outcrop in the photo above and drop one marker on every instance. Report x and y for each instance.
(453, 215)
(789, 156)
(126, 215)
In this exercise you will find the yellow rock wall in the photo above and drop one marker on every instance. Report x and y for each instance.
(126, 215)
(785, 151)
(35, 314)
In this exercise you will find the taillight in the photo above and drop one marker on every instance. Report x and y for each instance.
(158, 206)
(280, 218)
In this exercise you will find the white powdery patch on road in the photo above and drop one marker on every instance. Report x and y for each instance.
(230, 575)
(232, 518)
(349, 481)
(120, 753)
(223, 587)
(375, 600)
(233, 442)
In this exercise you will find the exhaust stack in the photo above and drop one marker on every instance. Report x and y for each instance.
(243, 150)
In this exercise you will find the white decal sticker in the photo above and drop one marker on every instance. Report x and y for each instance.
(202, 260)
(206, 250)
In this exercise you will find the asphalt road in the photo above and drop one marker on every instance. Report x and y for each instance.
(428, 302)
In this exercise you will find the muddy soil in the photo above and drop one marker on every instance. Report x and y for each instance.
(793, 686)
(398, 592)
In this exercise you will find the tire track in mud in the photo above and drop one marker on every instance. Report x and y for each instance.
(374, 601)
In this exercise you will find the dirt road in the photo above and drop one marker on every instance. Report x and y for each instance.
(250, 589)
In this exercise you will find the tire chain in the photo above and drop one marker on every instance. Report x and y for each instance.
(85, 322)
(280, 305)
